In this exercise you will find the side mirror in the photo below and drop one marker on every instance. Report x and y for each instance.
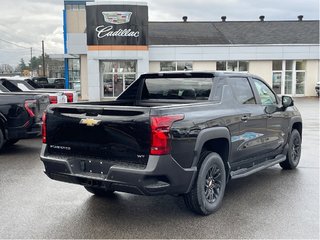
(287, 101)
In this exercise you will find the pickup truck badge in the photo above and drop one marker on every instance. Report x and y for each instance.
(90, 122)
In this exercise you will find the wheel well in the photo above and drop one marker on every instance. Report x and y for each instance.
(220, 146)
(298, 127)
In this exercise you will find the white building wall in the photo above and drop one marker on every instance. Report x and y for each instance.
(154, 66)
(262, 69)
(84, 77)
(233, 52)
(204, 66)
(312, 77)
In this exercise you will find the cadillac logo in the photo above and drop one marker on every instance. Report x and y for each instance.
(90, 122)
(117, 17)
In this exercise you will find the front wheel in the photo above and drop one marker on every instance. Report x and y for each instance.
(207, 193)
(294, 152)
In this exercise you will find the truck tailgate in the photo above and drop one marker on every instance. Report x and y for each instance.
(118, 134)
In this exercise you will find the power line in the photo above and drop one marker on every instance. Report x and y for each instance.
(13, 43)
(15, 50)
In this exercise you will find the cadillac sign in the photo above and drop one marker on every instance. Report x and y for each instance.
(117, 24)
(117, 17)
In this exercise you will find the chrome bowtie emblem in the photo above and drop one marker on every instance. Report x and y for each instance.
(90, 122)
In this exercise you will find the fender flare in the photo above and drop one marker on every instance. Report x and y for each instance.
(210, 134)
(293, 120)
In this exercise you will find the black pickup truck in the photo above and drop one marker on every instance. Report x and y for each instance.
(20, 116)
(183, 133)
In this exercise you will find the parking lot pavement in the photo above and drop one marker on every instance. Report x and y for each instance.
(270, 204)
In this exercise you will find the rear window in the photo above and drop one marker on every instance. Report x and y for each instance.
(177, 88)
(11, 87)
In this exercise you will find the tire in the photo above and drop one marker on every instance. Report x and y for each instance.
(1, 139)
(294, 152)
(101, 192)
(11, 142)
(207, 192)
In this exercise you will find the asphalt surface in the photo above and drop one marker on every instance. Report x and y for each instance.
(270, 204)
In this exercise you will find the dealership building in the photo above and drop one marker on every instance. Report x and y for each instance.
(109, 44)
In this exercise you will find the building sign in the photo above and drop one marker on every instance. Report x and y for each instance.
(117, 24)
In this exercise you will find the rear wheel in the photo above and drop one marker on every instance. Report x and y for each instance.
(11, 142)
(207, 193)
(1, 139)
(294, 152)
(101, 192)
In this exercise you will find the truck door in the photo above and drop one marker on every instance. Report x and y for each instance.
(248, 144)
(277, 121)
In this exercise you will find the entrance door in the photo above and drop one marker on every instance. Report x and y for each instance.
(288, 77)
(116, 76)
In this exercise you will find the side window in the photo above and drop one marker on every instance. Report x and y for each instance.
(242, 90)
(266, 95)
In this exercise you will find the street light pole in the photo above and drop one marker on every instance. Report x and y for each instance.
(43, 65)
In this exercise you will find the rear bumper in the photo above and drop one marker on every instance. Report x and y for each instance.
(162, 175)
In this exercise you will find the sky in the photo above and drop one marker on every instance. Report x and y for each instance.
(25, 23)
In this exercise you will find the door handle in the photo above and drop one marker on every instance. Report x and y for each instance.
(244, 118)
(269, 115)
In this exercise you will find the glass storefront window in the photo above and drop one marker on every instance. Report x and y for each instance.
(175, 66)
(276, 82)
(232, 66)
(288, 76)
(300, 65)
(289, 65)
(116, 76)
(167, 66)
(221, 65)
(74, 74)
(288, 83)
(184, 66)
(129, 78)
(241, 66)
(277, 65)
(300, 80)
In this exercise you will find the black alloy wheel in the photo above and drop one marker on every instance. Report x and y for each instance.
(294, 151)
(207, 192)
(213, 184)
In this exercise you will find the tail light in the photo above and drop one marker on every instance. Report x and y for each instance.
(44, 127)
(69, 97)
(160, 129)
(30, 106)
(53, 99)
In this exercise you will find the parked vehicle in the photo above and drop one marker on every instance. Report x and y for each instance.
(59, 83)
(42, 82)
(318, 88)
(181, 133)
(12, 86)
(20, 116)
(24, 84)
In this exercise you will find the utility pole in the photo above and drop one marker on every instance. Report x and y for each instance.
(43, 66)
(31, 62)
